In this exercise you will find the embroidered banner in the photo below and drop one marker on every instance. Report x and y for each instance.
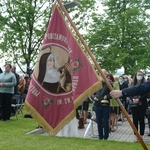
(62, 79)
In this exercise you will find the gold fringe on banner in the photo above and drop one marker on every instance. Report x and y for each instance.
(44, 124)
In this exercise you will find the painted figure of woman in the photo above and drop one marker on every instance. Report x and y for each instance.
(49, 75)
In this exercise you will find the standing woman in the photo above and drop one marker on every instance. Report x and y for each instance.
(113, 102)
(7, 83)
(102, 109)
(138, 105)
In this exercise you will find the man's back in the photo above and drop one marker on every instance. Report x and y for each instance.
(13, 70)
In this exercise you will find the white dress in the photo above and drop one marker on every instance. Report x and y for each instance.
(70, 130)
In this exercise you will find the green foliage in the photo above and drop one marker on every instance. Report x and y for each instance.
(81, 14)
(23, 24)
(120, 36)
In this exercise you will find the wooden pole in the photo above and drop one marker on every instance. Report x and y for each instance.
(102, 74)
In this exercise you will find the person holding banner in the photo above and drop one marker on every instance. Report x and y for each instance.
(140, 89)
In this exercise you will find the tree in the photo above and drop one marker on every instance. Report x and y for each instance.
(23, 24)
(120, 36)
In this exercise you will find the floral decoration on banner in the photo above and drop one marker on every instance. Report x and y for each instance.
(76, 64)
(68, 87)
(46, 102)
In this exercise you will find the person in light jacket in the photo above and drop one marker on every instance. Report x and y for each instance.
(7, 83)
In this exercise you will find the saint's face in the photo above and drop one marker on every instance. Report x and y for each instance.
(50, 63)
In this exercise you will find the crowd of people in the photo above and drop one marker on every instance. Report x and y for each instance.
(11, 83)
(106, 107)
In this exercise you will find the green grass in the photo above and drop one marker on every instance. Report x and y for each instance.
(13, 137)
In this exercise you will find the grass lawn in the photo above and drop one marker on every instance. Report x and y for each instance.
(13, 137)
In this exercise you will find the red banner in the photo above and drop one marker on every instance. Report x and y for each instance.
(62, 79)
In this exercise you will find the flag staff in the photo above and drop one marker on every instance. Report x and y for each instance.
(102, 74)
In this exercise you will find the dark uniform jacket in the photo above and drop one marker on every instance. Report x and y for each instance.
(140, 89)
(101, 93)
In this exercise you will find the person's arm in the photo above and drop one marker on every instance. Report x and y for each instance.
(116, 93)
(140, 89)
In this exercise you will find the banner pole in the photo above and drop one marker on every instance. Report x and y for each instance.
(102, 74)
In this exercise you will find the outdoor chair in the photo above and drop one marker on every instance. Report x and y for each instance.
(17, 105)
(22, 104)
